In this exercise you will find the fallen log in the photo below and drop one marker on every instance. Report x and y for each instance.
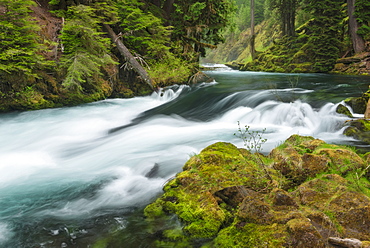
(129, 57)
(348, 243)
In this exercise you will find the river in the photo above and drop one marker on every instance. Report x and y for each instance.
(70, 175)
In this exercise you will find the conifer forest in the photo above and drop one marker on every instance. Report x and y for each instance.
(66, 52)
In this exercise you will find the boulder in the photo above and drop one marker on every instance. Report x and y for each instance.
(301, 195)
(358, 129)
(341, 109)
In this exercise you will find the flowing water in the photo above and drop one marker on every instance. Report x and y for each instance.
(70, 175)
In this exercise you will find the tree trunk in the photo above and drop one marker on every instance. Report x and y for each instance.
(367, 112)
(253, 35)
(129, 57)
(157, 3)
(357, 41)
(291, 20)
(168, 8)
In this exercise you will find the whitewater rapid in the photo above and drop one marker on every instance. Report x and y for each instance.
(66, 164)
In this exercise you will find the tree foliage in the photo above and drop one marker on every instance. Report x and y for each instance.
(20, 47)
(162, 34)
(199, 24)
(286, 10)
(324, 32)
(142, 31)
(86, 51)
(362, 12)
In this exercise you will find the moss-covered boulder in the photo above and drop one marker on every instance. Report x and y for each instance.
(303, 193)
(358, 104)
(359, 129)
(341, 109)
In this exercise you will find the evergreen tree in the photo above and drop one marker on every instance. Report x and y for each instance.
(86, 51)
(324, 31)
(199, 24)
(362, 13)
(141, 30)
(19, 46)
(252, 43)
(358, 42)
(286, 10)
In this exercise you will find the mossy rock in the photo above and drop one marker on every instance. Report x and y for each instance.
(229, 197)
(295, 160)
(342, 160)
(358, 104)
(341, 109)
(304, 234)
(247, 235)
(359, 129)
(352, 211)
(192, 194)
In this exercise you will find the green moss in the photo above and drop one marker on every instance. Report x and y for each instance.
(358, 104)
(359, 129)
(170, 71)
(173, 238)
(103, 243)
(228, 197)
(242, 235)
(154, 210)
(341, 109)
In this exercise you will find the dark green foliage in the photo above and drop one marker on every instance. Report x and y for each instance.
(286, 10)
(362, 12)
(316, 46)
(19, 50)
(324, 32)
(199, 24)
(85, 50)
(142, 30)
(166, 38)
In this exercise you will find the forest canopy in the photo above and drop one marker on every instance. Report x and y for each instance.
(299, 36)
(60, 52)
(66, 52)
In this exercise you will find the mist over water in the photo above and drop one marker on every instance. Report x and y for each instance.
(70, 174)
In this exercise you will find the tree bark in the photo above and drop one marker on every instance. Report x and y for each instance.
(367, 112)
(157, 3)
(357, 41)
(129, 57)
(168, 8)
(253, 35)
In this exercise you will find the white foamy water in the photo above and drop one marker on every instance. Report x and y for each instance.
(65, 165)
(5, 233)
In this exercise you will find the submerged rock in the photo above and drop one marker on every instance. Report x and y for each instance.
(300, 195)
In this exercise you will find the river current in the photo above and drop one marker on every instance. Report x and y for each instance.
(70, 175)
